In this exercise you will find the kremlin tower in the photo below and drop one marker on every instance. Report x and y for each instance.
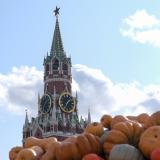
(57, 107)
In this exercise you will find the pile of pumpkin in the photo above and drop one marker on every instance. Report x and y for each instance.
(113, 138)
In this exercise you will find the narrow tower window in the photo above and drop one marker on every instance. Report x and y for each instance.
(47, 69)
(65, 68)
(55, 64)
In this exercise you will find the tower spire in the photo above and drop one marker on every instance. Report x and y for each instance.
(89, 116)
(57, 44)
(26, 119)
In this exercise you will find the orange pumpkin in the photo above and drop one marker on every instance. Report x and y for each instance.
(32, 153)
(66, 151)
(43, 143)
(155, 119)
(106, 121)
(138, 129)
(83, 145)
(125, 127)
(114, 137)
(123, 133)
(117, 119)
(132, 130)
(150, 140)
(14, 151)
(94, 128)
(144, 119)
(73, 148)
(50, 151)
(95, 143)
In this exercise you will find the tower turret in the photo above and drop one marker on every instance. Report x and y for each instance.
(26, 119)
(89, 116)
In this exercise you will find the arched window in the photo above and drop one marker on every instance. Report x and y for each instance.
(60, 125)
(55, 64)
(48, 127)
(68, 125)
(47, 69)
(65, 68)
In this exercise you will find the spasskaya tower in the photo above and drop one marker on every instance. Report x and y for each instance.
(57, 107)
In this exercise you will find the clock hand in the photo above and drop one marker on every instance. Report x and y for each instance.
(67, 102)
(45, 102)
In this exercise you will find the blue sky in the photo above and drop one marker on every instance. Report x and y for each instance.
(115, 43)
(90, 30)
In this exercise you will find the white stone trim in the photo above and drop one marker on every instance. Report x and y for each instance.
(59, 133)
(57, 79)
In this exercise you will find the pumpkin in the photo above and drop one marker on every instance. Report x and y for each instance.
(43, 143)
(95, 143)
(150, 140)
(50, 151)
(126, 128)
(155, 155)
(128, 132)
(144, 119)
(117, 119)
(106, 121)
(14, 151)
(138, 129)
(66, 151)
(32, 153)
(73, 148)
(83, 145)
(114, 137)
(125, 152)
(91, 156)
(94, 128)
(132, 130)
(155, 119)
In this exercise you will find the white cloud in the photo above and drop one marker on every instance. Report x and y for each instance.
(104, 96)
(20, 87)
(142, 27)
(141, 20)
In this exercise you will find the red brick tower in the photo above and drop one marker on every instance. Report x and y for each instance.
(57, 107)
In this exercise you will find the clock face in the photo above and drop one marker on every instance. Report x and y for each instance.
(45, 103)
(67, 102)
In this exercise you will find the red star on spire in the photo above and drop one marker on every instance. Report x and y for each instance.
(56, 11)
